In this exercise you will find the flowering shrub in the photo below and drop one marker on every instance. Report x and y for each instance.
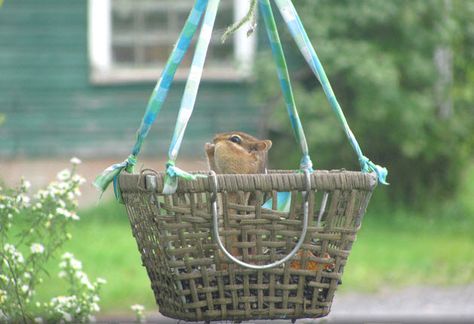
(139, 315)
(32, 229)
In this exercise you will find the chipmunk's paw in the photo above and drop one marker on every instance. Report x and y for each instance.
(209, 147)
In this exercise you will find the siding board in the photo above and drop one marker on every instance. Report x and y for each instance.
(51, 108)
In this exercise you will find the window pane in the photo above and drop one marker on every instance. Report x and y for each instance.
(157, 53)
(145, 31)
(123, 54)
(156, 20)
(122, 16)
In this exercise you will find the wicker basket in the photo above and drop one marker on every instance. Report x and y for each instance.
(191, 277)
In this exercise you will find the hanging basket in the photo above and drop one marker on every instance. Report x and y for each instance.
(193, 278)
(214, 246)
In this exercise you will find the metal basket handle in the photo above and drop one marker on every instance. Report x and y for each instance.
(276, 263)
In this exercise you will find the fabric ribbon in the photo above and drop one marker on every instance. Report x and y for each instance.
(109, 174)
(189, 99)
(368, 166)
(301, 38)
(158, 95)
(172, 175)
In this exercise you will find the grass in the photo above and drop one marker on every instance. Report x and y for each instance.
(394, 248)
(102, 240)
(407, 250)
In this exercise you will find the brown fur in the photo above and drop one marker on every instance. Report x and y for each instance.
(247, 157)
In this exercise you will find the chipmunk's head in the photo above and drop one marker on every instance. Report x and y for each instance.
(238, 152)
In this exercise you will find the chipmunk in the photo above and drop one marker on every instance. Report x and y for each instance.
(237, 153)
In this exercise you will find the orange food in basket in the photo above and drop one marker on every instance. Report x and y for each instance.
(311, 264)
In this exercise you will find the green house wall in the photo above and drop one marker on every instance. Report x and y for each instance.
(51, 108)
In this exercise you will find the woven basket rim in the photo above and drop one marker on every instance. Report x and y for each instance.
(275, 180)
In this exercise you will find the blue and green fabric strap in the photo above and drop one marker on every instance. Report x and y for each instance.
(108, 175)
(158, 95)
(172, 175)
(368, 166)
(301, 38)
(189, 99)
(284, 198)
(285, 82)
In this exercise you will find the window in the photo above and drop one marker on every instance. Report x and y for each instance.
(130, 40)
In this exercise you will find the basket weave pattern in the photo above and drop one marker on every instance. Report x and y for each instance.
(193, 280)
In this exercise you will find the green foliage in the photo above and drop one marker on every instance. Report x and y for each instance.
(402, 248)
(32, 230)
(379, 57)
(104, 242)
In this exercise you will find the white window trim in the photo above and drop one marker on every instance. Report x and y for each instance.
(100, 51)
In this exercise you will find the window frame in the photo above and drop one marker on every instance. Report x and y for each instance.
(103, 71)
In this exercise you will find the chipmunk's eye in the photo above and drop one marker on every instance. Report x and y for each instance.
(235, 139)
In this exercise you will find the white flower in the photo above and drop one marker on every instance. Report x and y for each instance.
(26, 184)
(101, 281)
(64, 175)
(61, 203)
(95, 307)
(37, 248)
(67, 317)
(9, 248)
(67, 255)
(15, 255)
(64, 212)
(62, 274)
(41, 194)
(19, 257)
(38, 320)
(75, 161)
(63, 186)
(84, 280)
(23, 199)
(76, 264)
(77, 178)
(3, 296)
(137, 308)
(25, 288)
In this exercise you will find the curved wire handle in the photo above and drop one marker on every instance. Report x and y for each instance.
(298, 245)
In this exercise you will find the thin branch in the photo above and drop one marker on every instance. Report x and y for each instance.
(250, 16)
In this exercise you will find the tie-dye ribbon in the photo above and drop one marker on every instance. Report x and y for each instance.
(157, 97)
(283, 75)
(189, 99)
(300, 36)
(284, 198)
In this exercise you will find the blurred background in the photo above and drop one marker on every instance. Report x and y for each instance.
(75, 77)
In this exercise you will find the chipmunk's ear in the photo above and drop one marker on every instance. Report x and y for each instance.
(264, 145)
